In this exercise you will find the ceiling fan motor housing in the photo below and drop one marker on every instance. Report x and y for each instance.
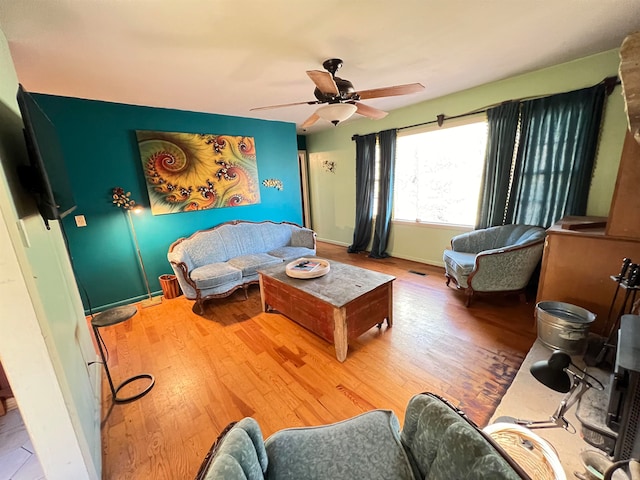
(345, 87)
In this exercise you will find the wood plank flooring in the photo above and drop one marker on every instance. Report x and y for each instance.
(237, 361)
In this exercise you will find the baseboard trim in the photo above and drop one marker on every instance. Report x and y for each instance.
(332, 242)
(126, 301)
(438, 263)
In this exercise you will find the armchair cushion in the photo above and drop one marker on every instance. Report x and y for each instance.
(287, 253)
(249, 264)
(367, 446)
(461, 264)
(215, 274)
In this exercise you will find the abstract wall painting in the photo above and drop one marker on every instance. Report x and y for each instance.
(191, 171)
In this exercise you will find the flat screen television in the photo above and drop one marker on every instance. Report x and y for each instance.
(45, 178)
(623, 413)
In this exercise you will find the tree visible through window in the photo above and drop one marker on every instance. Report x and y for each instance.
(438, 172)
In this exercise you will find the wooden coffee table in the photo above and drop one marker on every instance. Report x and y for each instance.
(338, 307)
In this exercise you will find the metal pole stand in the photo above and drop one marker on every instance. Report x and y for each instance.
(107, 318)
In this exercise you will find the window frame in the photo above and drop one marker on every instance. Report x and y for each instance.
(430, 127)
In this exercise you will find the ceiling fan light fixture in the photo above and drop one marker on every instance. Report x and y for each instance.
(336, 112)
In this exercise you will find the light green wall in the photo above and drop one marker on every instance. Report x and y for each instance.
(333, 194)
(45, 345)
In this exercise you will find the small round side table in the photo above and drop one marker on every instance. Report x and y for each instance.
(108, 318)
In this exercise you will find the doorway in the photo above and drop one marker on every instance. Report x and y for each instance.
(304, 187)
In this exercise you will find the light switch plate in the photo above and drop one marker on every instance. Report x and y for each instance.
(80, 221)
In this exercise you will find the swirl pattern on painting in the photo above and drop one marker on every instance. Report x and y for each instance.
(190, 171)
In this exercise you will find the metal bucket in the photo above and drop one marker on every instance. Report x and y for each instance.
(562, 326)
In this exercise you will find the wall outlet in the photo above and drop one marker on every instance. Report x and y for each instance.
(80, 221)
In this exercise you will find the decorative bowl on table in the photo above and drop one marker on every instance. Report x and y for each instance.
(308, 268)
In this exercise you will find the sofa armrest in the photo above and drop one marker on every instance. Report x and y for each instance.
(237, 454)
(187, 285)
(182, 264)
(443, 443)
(303, 237)
(504, 269)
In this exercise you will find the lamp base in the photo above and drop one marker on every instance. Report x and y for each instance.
(553, 422)
(151, 302)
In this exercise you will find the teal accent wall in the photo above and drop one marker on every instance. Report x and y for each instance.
(302, 142)
(99, 144)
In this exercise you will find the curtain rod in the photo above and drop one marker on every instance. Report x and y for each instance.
(609, 82)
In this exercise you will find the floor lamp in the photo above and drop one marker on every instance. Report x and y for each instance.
(123, 200)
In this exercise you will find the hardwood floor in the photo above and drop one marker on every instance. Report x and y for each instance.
(236, 361)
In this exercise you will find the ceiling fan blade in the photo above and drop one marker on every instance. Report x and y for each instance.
(311, 102)
(391, 91)
(310, 121)
(324, 81)
(370, 112)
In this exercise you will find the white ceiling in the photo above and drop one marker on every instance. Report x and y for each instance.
(227, 56)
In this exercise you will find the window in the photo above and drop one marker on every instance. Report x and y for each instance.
(438, 172)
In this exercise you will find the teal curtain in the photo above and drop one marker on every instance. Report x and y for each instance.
(554, 163)
(365, 178)
(387, 141)
(501, 137)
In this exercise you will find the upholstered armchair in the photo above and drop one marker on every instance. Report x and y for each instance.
(437, 442)
(494, 260)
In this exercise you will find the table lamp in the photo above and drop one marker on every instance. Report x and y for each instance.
(559, 373)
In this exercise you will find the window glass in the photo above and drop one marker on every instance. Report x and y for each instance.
(438, 172)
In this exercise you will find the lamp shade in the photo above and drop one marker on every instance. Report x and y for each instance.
(551, 372)
(336, 112)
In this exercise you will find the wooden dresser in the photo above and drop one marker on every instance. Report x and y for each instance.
(581, 253)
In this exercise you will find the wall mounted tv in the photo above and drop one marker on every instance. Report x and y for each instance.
(46, 175)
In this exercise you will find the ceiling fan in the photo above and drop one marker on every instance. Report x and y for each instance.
(341, 98)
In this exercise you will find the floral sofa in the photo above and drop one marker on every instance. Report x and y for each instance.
(437, 442)
(214, 263)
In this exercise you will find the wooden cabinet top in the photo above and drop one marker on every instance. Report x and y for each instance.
(572, 225)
